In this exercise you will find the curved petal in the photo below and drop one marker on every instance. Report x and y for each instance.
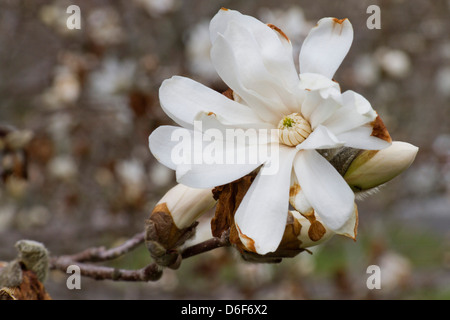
(305, 235)
(211, 120)
(319, 83)
(355, 111)
(325, 189)
(362, 138)
(350, 229)
(161, 145)
(182, 99)
(200, 161)
(253, 60)
(326, 46)
(320, 138)
(261, 216)
(297, 197)
(274, 46)
(212, 175)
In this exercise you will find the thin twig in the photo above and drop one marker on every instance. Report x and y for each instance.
(151, 272)
(101, 254)
(206, 246)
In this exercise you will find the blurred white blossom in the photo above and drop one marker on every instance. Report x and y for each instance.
(104, 26)
(395, 271)
(55, 16)
(156, 8)
(442, 81)
(160, 175)
(36, 216)
(441, 145)
(396, 63)
(65, 89)
(198, 47)
(366, 70)
(63, 167)
(131, 173)
(114, 77)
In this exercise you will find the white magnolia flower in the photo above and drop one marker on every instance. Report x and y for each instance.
(255, 60)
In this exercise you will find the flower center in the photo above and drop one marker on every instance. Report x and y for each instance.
(294, 129)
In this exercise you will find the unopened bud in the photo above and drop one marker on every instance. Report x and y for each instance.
(173, 221)
(186, 204)
(372, 168)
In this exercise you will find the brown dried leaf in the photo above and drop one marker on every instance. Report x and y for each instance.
(30, 289)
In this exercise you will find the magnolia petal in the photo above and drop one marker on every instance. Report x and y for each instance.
(252, 60)
(323, 111)
(274, 46)
(362, 138)
(305, 235)
(261, 220)
(314, 82)
(297, 197)
(182, 99)
(213, 175)
(355, 111)
(320, 138)
(350, 228)
(161, 146)
(325, 189)
(208, 120)
(326, 46)
(200, 161)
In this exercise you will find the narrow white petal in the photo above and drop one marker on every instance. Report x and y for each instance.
(213, 175)
(349, 229)
(200, 161)
(355, 111)
(297, 197)
(318, 82)
(274, 46)
(266, 105)
(304, 231)
(254, 61)
(320, 138)
(323, 111)
(211, 120)
(262, 213)
(182, 99)
(161, 146)
(325, 189)
(361, 138)
(326, 46)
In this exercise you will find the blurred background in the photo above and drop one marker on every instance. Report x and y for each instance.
(81, 104)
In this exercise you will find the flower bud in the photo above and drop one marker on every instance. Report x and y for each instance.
(172, 222)
(372, 168)
(186, 204)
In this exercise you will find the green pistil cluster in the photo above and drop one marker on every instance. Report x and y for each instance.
(288, 122)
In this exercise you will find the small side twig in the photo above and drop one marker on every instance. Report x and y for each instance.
(207, 245)
(101, 254)
(151, 272)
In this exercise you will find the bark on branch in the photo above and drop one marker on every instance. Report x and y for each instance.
(151, 272)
